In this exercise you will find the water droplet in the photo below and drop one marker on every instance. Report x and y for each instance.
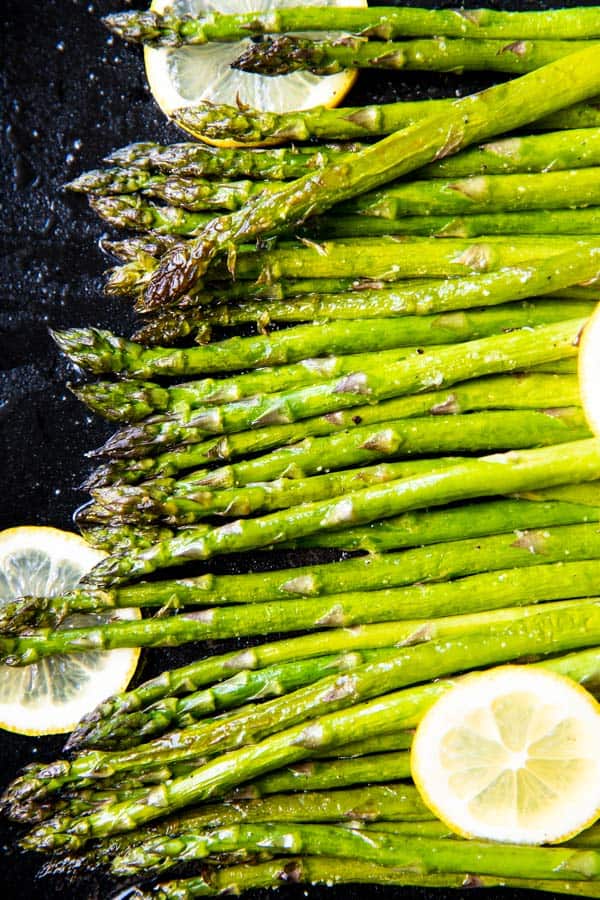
(60, 46)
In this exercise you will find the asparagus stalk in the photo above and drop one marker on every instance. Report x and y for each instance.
(331, 774)
(287, 53)
(485, 476)
(292, 615)
(405, 376)
(251, 126)
(498, 109)
(384, 536)
(475, 432)
(173, 683)
(385, 24)
(565, 149)
(272, 681)
(119, 539)
(133, 401)
(417, 298)
(137, 166)
(447, 560)
(185, 504)
(399, 803)
(502, 391)
(376, 259)
(404, 708)
(476, 194)
(170, 326)
(428, 855)
(552, 151)
(444, 647)
(331, 871)
(101, 352)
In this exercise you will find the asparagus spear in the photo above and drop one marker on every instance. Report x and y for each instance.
(438, 196)
(398, 802)
(331, 774)
(486, 517)
(292, 615)
(190, 503)
(552, 151)
(565, 149)
(428, 855)
(485, 476)
(190, 160)
(190, 454)
(133, 401)
(331, 871)
(402, 299)
(287, 53)
(437, 433)
(272, 681)
(186, 504)
(376, 259)
(411, 376)
(379, 24)
(251, 126)
(500, 108)
(450, 559)
(445, 646)
(384, 536)
(99, 351)
(403, 708)
(120, 539)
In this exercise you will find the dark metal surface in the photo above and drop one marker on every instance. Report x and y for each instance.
(70, 94)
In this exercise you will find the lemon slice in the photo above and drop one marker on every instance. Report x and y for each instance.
(185, 76)
(589, 371)
(511, 755)
(51, 696)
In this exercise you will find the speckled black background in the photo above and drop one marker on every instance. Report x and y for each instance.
(69, 94)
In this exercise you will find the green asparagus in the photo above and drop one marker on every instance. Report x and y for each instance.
(438, 196)
(565, 149)
(330, 871)
(229, 447)
(526, 586)
(379, 24)
(498, 109)
(427, 855)
(192, 502)
(402, 708)
(190, 160)
(357, 260)
(101, 352)
(251, 126)
(481, 477)
(285, 54)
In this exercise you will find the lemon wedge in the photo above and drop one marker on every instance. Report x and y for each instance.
(589, 371)
(51, 696)
(511, 755)
(185, 76)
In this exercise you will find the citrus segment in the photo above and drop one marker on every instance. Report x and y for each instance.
(185, 76)
(511, 755)
(51, 696)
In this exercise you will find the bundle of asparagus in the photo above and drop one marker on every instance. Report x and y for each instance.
(422, 409)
